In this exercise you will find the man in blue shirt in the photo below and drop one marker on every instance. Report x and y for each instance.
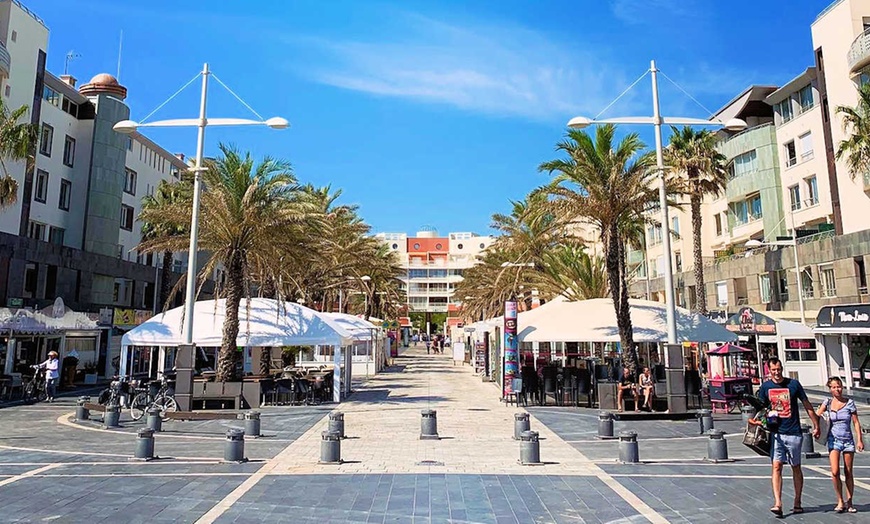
(781, 395)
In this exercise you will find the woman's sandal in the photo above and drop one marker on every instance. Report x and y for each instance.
(797, 510)
(851, 509)
(776, 510)
(839, 509)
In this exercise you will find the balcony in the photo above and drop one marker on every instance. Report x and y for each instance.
(859, 52)
(5, 62)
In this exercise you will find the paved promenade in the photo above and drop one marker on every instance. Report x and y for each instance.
(82, 472)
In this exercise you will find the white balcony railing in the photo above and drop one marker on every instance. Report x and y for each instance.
(859, 52)
(5, 62)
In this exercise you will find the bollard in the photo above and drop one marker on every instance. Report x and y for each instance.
(807, 447)
(153, 420)
(429, 425)
(717, 446)
(252, 424)
(144, 444)
(605, 425)
(628, 451)
(705, 420)
(234, 446)
(521, 423)
(112, 416)
(330, 447)
(747, 412)
(336, 423)
(83, 413)
(530, 448)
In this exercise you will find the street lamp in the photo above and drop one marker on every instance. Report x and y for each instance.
(129, 126)
(735, 124)
(797, 267)
(364, 278)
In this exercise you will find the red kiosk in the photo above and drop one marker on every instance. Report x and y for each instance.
(730, 377)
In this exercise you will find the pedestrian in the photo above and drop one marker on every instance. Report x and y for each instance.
(781, 395)
(843, 415)
(441, 345)
(52, 372)
(428, 345)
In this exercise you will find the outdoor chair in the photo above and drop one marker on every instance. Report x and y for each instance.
(584, 387)
(267, 391)
(693, 387)
(550, 385)
(517, 393)
(15, 383)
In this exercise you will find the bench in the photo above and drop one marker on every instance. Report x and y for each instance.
(202, 415)
(95, 407)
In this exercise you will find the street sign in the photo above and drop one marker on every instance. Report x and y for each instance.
(470, 329)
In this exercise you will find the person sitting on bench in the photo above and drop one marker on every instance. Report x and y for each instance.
(627, 383)
(648, 387)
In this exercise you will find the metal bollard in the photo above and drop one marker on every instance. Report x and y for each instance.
(807, 446)
(330, 447)
(530, 448)
(747, 412)
(112, 416)
(717, 446)
(628, 451)
(429, 425)
(705, 420)
(605, 425)
(336, 423)
(144, 444)
(252, 424)
(83, 413)
(153, 420)
(521, 423)
(234, 446)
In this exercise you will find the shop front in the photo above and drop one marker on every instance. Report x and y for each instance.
(843, 333)
(757, 332)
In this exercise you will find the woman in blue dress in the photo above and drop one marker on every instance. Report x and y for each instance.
(844, 437)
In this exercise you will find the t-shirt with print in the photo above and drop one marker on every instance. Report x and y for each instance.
(783, 398)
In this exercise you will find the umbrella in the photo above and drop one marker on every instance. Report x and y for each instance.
(728, 349)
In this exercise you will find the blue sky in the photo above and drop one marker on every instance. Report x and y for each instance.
(426, 113)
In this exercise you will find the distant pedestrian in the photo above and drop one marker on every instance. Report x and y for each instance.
(441, 345)
(843, 415)
(428, 345)
(52, 373)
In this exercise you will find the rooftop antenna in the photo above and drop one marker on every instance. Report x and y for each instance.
(120, 47)
(72, 55)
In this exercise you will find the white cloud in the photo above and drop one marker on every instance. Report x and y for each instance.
(497, 70)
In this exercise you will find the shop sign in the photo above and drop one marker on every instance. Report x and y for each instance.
(747, 321)
(14, 302)
(800, 343)
(857, 316)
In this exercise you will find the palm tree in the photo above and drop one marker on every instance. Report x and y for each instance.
(607, 187)
(856, 121)
(692, 155)
(165, 195)
(571, 272)
(16, 139)
(247, 210)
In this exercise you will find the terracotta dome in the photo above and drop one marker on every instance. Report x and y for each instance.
(104, 83)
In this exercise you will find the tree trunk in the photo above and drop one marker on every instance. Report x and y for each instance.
(265, 364)
(165, 279)
(700, 290)
(228, 356)
(626, 333)
(270, 290)
(618, 293)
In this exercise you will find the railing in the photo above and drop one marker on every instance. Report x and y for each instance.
(859, 51)
(29, 12)
(5, 61)
(716, 260)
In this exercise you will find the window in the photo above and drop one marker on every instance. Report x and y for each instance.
(438, 247)
(51, 96)
(747, 210)
(743, 164)
(807, 282)
(14, 36)
(655, 234)
(764, 288)
(805, 97)
(678, 262)
(790, 154)
(829, 283)
(69, 151)
(794, 197)
(31, 278)
(37, 231)
(417, 273)
(55, 235)
(70, 107)
(126, 217)
(123, 291)
(803, 349)
(8, 90)
(861, 275)
(782, 285)
(812, 191)
(45, 139)
(721, 294)
(129, 181)
(40, 190)
(65, 191)
(755, 208)
(416, 246)
(784, 110)
(675, 225)
(129, 144)
(717, 219)
(806, 140)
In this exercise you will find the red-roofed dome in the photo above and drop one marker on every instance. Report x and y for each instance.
(104, 83)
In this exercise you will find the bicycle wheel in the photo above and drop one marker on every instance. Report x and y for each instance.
(29, 393)
(41, 395)
(166, 404)
(138, 406)
(733, 406)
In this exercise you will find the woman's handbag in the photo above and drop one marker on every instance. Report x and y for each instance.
(825, 424)
(757, 438)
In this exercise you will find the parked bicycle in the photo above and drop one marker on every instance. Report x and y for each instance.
(34, 389)
(146, 397)
(111, 396)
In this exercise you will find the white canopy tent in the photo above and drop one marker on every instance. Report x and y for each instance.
(595, 321)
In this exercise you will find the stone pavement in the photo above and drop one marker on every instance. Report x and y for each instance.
(82, 473)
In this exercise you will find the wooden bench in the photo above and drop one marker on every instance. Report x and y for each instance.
(95, 407)
(202, 415)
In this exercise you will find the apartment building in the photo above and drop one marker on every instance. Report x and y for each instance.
(434, 266)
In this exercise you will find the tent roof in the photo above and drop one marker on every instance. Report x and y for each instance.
(789, 329)
(595, 321)
(360, 329)
(263, 324)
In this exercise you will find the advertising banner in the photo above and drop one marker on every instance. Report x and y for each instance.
(511, 346)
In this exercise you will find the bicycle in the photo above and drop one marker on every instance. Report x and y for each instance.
(162, 399)
(34, 389)
(111, 396)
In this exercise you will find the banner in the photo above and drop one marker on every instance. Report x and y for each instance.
(511, 345)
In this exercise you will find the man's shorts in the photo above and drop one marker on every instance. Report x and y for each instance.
(786, 448)
(841, 445)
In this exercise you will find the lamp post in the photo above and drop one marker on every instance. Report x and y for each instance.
(797, 267)
(129, 126)
(364, 278)
(735, 124)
